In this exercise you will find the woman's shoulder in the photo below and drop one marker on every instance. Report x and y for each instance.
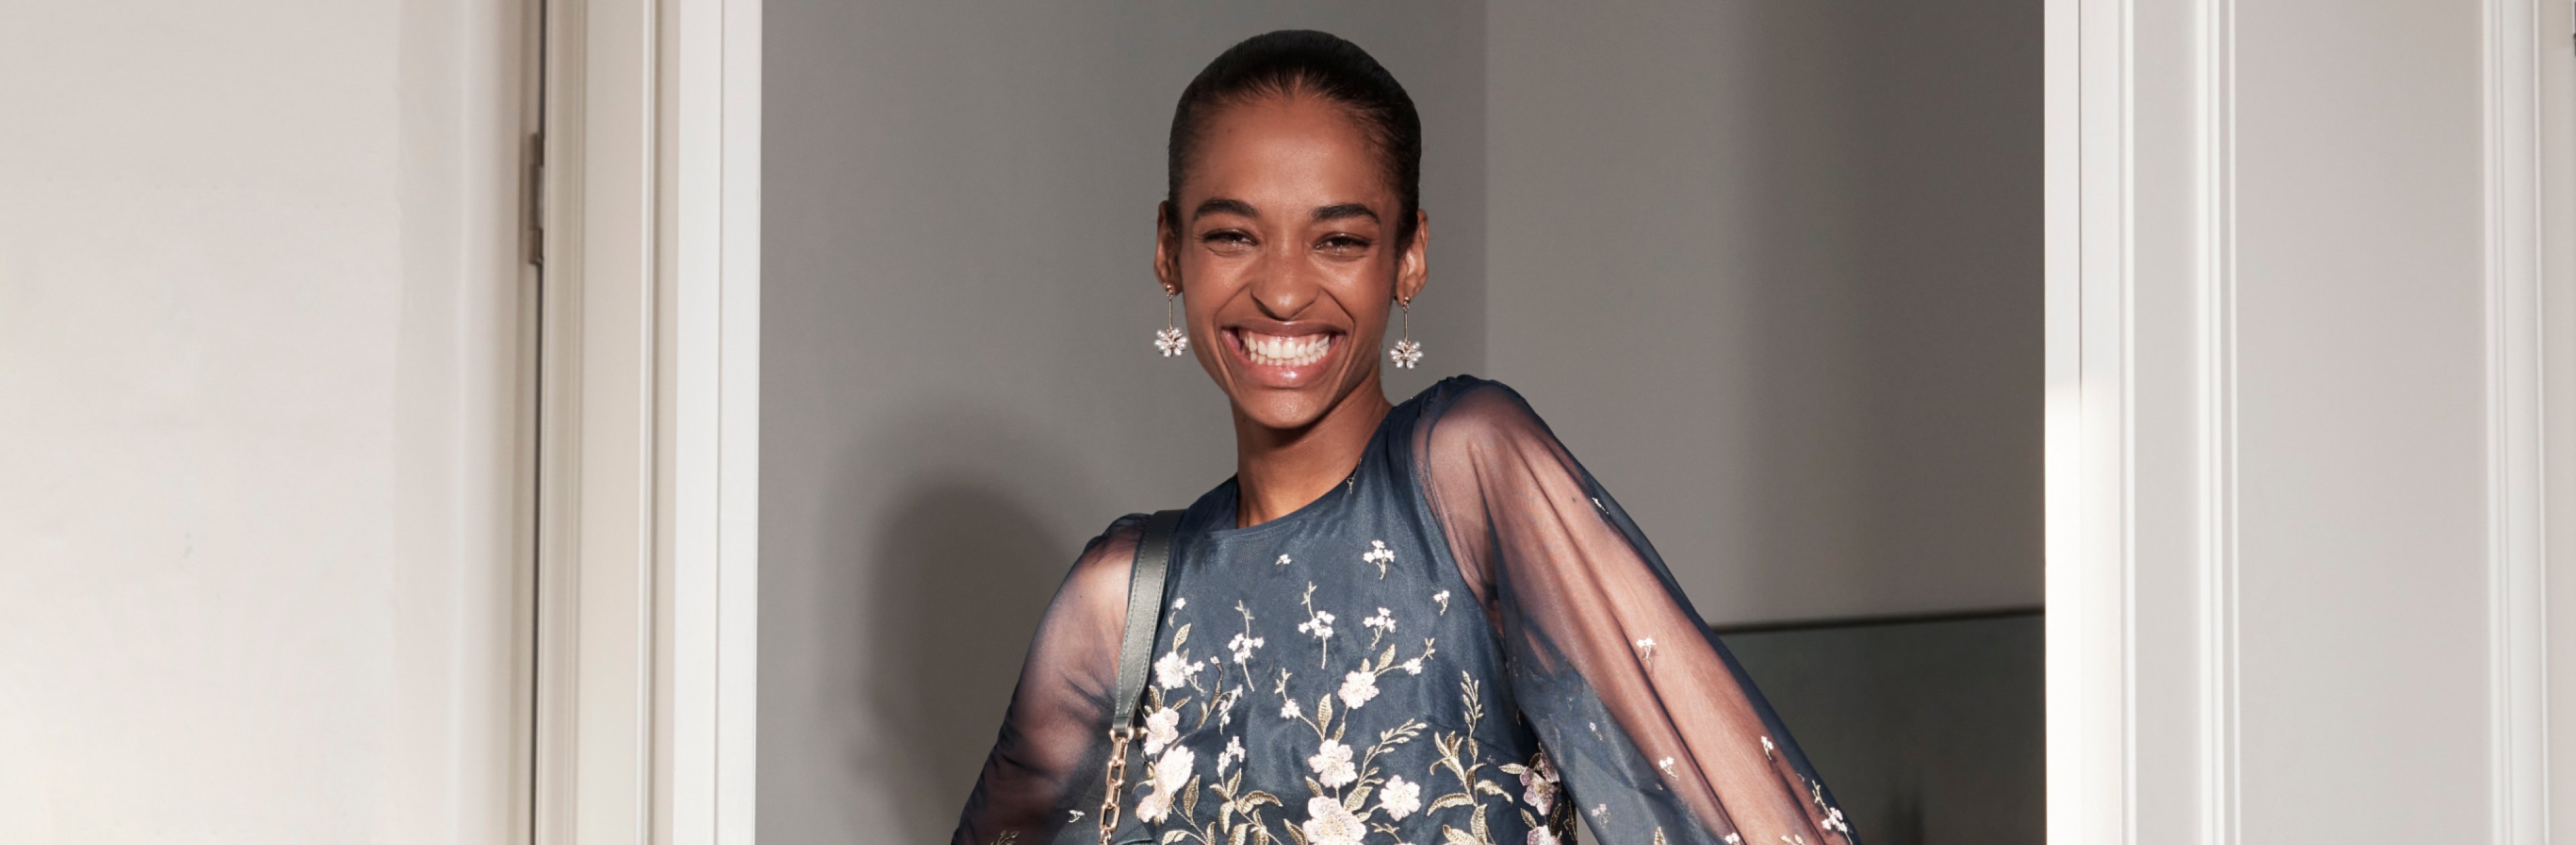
(1096, 587)
(1112, 549)
(1467, 412)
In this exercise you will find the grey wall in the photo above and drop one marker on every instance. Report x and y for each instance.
(1772, 270)
(959, 383)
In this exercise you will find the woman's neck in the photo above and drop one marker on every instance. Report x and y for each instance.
(1278, 470)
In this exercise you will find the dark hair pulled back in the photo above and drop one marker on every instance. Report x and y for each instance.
(1307, 62)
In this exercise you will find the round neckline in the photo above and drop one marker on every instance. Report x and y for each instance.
(1233, 499)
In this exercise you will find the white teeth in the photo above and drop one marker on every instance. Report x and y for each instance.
(1277, 351)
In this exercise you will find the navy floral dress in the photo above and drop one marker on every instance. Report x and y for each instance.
(1468, 643)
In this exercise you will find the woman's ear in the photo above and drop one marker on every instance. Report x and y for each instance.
(1413, 268)
(1167, 249)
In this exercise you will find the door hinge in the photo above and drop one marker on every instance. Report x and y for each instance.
(532, 195)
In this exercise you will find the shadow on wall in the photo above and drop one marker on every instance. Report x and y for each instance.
(948, 579)
(1928, 732)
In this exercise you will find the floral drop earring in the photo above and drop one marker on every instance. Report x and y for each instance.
(1406, 352)
(1171, 340)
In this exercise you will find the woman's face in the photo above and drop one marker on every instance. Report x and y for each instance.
(1286, 257)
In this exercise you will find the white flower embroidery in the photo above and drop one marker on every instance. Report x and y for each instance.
(1180, 602)
(1358, 687)
(1400, 798)
(1318, 624)
(1332, 764)
(1544, 836)
(1242, 647)
(1171, 772)
(1443, 598)
(1383, 623)
(1646, 652)
(1734, 839)
(1599, 809)
(1766, 748)
(1379, 554)
(1225, 706)
(1290, 710)
(1232, 754)
(1328, 824)
(1284, 561)
(1173, 672)
(1413, 666)
(1161, 727)
(1665, 764)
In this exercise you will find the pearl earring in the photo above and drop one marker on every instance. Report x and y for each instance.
(1406, 352)
(1171, 340)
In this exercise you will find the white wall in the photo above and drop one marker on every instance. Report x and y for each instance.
(1772, 270)
(257, 279)
(2299, 337)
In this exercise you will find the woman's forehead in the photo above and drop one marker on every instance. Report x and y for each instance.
(1288, 150)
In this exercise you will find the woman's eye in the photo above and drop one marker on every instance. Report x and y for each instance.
(1342, 245)
(1227, 240)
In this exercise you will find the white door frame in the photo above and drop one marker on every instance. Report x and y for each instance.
(648, 560)
(2141, 440)
(648, 538)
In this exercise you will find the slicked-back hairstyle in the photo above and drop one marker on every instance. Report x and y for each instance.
(1310, 63)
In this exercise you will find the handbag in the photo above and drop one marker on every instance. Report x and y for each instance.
(1135, 653)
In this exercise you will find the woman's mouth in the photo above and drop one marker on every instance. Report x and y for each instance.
(1283, 360)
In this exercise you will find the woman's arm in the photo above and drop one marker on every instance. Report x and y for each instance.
(1651, 724)
(1043, 776)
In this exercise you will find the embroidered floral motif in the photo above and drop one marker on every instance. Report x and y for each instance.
(1382, 624)
(1358, 783)
(1332, 764)
(1242, 647)
(1443, 598)
(1161, 727)
(1538, 784)
(1328, 823)
(1357, 688)
(1232, 754)
(1176, 669)
(1170, 771)
(1400, 798)
(1318, 624)
(1379, 554)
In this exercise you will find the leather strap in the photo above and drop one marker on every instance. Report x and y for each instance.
(1144, 614)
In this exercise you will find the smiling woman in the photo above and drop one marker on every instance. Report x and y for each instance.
(1521, 657)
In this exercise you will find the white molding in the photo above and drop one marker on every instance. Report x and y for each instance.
(648, 576)
(2516, 509)
(2090, 668)
(710, 212)
(2215, 441)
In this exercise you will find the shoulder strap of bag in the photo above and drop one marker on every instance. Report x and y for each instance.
(1136, 651)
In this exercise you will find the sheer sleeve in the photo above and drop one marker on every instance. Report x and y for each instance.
(1042, 781)
(1656, 733)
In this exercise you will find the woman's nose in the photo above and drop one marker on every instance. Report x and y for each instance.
(1282, 288)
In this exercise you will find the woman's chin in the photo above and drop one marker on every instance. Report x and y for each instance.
(1283, 410)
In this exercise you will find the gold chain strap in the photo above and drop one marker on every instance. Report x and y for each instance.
(1118, 739)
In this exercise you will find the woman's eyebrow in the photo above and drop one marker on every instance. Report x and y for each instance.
(1222, 205)
(1343, 211)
